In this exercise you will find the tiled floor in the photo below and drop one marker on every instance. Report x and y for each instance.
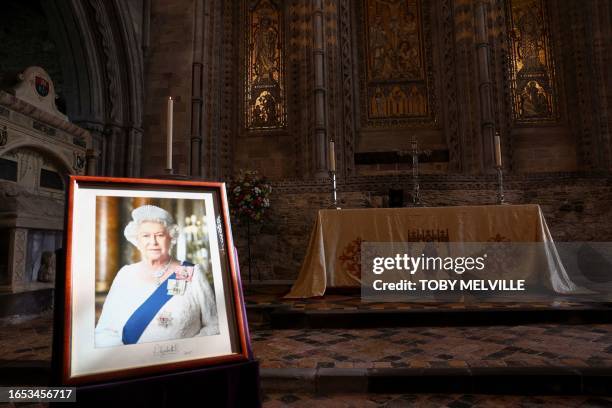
(28, 339)
(490, 346)
(533, 345)
(272, 296)
(439, 347)
(430, 400)
(414, 347)
(416, 400)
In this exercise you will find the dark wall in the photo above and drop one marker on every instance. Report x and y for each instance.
(26, 41)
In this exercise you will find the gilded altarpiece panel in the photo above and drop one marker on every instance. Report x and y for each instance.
(265, 90)
(397, 87)
(532, 68)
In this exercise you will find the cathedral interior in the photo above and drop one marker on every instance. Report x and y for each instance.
(402, 103)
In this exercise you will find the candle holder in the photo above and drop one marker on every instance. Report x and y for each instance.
(414, 152)
(171, 174)
(416, 193)
(416, 186)
(334, 191)
(500, 186)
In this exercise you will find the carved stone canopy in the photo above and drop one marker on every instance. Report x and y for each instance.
(36, 88)
(32, 130)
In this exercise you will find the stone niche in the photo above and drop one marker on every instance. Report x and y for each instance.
(39, 149)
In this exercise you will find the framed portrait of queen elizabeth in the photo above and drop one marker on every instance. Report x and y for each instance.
(151, 284)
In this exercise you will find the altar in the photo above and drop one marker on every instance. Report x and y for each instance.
(333, 256)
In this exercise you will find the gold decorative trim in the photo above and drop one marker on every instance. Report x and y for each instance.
(397, 84)
(532, 68)
(265, 90)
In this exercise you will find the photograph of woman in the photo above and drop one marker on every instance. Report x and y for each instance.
(158, 298)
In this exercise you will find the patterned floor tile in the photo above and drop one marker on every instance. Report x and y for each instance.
(437, 347)
(431, 400)
(262, 295)
(489, 346)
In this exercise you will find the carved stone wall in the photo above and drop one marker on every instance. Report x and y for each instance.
(396, 74)
(230, 83)
(346, 104)
(467, 46)
(120, 59)
(200, 44)
(574, 203)
(264, 68)
(101, 57)
(300, 77)
(93, 51)
(459, 135)
(412, 78)
(168, 72)
(17, 256)
(564, 143)
(280, 152)
(576, 207)
(26, 41)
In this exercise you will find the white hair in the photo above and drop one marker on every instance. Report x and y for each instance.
(150, 213)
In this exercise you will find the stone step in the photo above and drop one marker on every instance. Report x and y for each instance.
(278, 399)
(288, 318)
(26, 303)
(329, 381)
(488, 380)
(27, 372)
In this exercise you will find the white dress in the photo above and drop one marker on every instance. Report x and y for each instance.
(194, 313)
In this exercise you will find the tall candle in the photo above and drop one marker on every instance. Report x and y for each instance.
(169, 133)
(332, 156)
(498, 156)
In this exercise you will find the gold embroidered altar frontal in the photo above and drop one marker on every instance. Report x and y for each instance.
(333, 256)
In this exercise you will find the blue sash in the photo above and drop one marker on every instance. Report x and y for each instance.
(140, 319)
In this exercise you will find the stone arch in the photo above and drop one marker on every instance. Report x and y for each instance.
(46, 152)
(102, 63)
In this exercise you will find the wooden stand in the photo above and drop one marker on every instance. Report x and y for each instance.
(224, 385)
(231, 385)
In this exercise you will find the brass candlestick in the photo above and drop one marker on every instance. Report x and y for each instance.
(500, 185)
(498, 168)
(414, 152)
(334, 191)
(416, 187)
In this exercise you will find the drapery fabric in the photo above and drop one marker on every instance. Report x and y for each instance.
(332, 258)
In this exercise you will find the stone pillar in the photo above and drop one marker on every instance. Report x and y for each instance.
(195, 168)
(132, 167)
(601, 17)
(466, 83)
(487, 125)
(17, 258)
(90, 158)
(321, 144)
(98, 145)
(168, 70)
(146, 27)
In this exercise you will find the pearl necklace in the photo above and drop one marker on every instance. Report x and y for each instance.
(161, 272)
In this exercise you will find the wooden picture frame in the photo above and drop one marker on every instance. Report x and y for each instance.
(150, 318)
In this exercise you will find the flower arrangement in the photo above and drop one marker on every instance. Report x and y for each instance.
(249, 196)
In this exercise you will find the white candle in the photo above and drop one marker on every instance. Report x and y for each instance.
(332, 156)
(498, 156)
(169, 133)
